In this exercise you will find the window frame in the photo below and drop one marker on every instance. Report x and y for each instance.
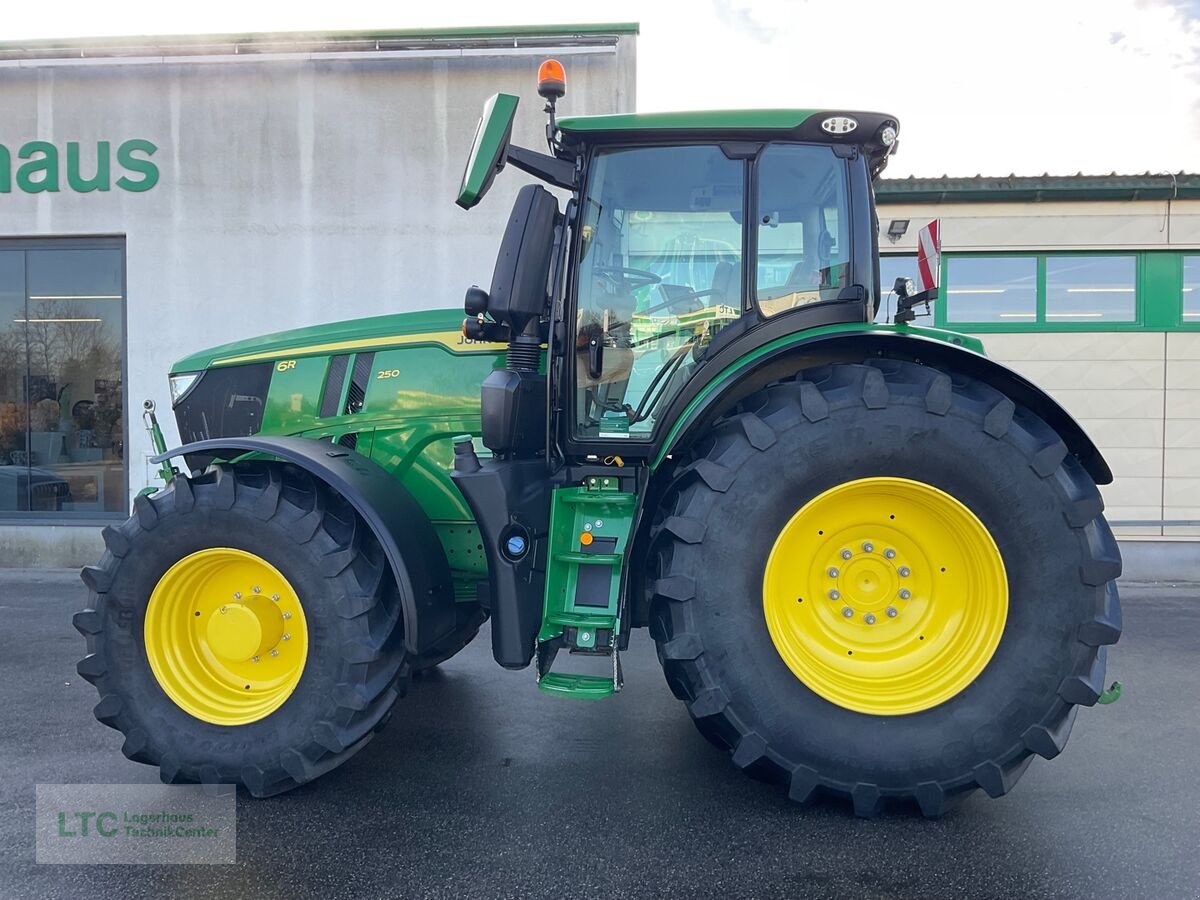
(1184, 323)
(117, 242)
(1145, 284)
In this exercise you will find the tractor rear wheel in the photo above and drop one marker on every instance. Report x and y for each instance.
(907, 586)
(243, 627)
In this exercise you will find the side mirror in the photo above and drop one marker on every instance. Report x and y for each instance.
(489, 150)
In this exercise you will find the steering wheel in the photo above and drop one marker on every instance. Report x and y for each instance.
(635, 278)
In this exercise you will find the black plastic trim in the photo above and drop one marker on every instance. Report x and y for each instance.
(360, 378)
(335, 379)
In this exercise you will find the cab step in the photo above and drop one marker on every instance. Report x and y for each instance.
(589, 533)
(581, 687)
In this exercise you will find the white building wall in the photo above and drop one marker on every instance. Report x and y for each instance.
(1095, 225)
(292, 191)
(1136, 393)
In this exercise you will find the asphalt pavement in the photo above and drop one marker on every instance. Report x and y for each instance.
(481, 786)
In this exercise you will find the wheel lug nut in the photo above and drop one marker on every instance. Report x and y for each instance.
(287, 615)
(275, 597)
(254, 659)
(256, 589)
(237, 595)
(889, 553)
(869, 618)
(286, 636)
(904, 571)
(891, 612)
(833, 572)
(835, 594)
(846, 554)
(848, 612)
(868, 547)
(905, 593)
(274, 652)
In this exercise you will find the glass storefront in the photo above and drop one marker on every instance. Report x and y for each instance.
(62, 338)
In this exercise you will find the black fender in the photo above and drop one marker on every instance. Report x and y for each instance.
(398, 522)
(714, 392)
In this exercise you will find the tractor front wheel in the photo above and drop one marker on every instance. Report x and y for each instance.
(907, 586)
(243, 627)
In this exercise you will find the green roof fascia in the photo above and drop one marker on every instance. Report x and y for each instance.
(750, 119)
(266, 38)
(1040, 188)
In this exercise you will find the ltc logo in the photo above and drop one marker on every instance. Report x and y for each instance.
(84, 822)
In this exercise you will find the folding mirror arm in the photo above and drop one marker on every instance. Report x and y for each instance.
(558, 172)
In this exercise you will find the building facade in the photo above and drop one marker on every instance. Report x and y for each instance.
(161, 195)
(1090, 287)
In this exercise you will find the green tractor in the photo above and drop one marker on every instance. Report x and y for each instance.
(873, 561)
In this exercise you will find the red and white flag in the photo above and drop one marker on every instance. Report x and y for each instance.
(929, 252)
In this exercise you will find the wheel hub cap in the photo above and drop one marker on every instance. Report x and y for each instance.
(239, 632)
(226, 636)
(885, 595)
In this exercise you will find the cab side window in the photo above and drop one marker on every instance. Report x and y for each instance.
(660, 272)
(803, 227)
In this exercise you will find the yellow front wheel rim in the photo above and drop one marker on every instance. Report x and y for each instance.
(885, 596)
(226, 636)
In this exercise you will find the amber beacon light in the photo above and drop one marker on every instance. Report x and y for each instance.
(552, 79)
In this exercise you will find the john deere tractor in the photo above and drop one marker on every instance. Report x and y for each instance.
(873, 560)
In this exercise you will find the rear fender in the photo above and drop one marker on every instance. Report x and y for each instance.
(757, 367)
(398, 522)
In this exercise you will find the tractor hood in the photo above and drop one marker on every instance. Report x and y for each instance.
(437, 326)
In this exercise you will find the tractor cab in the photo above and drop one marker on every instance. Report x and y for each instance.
(686, 240)
(681, 233)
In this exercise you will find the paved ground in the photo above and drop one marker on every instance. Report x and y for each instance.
(483, 787)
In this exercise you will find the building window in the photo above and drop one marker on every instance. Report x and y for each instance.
(1191, 290)
(991, 289)
(1091, 288)
(62, 334)
(891, 268)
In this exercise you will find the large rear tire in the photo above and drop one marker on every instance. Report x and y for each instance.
(168, 618)
(762, 649)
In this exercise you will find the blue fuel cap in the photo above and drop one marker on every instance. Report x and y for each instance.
(515, 546)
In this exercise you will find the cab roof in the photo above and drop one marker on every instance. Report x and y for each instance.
(756, 119)
(827, 126)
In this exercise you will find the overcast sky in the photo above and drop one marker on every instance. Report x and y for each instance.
(1025, 86)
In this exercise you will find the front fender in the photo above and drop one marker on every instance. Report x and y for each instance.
(755, 366)
(396, 519)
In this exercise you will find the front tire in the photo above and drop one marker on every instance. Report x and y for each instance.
(168, 617)
(791, 712)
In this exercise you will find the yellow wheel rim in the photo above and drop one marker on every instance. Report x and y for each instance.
(885, 596)
(226, 636)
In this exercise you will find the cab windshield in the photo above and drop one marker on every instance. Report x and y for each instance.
(661, 248)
